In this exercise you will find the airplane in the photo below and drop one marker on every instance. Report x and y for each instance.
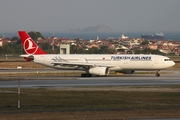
(94, 64)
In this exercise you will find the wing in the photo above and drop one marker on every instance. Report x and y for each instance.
(82, 64)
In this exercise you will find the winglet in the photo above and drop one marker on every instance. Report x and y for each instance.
(30, 47)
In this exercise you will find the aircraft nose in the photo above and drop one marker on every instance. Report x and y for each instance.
(173, 63)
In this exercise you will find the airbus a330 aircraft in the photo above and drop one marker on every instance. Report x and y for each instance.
(93, 64)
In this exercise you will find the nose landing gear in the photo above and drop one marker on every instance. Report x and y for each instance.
(157, 73)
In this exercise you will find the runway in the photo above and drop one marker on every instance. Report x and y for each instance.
(124, 80)
(172, 77)
(31, 70)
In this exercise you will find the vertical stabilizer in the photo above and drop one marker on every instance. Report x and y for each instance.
(29, 45)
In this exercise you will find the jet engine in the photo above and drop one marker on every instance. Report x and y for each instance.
(99, 71)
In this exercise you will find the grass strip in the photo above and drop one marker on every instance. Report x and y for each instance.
(43, 100)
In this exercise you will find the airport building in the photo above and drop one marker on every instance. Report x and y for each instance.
(65, 49)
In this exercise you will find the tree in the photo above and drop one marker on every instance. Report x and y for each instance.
(1, 50)
(11, 48)
(145, 42)
(148, 51)
(46, 47)
(73, 49)
(103, 50)
(14, 38)
(93, 50)
(35, 35)
(111, 51)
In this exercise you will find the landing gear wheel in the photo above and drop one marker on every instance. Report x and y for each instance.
(86, 75)
(157, 73)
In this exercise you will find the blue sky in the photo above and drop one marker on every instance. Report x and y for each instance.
(62, 15)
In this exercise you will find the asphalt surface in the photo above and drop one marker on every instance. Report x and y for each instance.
(172, 78)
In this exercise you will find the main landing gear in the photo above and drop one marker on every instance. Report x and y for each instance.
(86, 75)
(157, 73)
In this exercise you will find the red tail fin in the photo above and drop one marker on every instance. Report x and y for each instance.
(29, 45)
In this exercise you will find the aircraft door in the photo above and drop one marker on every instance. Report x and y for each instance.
(43, 58)
(156, 61)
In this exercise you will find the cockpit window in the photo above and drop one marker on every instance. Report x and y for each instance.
(167, 59)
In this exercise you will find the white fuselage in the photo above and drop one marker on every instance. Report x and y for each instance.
(117, 62)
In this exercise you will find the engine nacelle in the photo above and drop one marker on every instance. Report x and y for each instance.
(99, 71)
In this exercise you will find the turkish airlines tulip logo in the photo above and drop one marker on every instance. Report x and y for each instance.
(29, 46)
